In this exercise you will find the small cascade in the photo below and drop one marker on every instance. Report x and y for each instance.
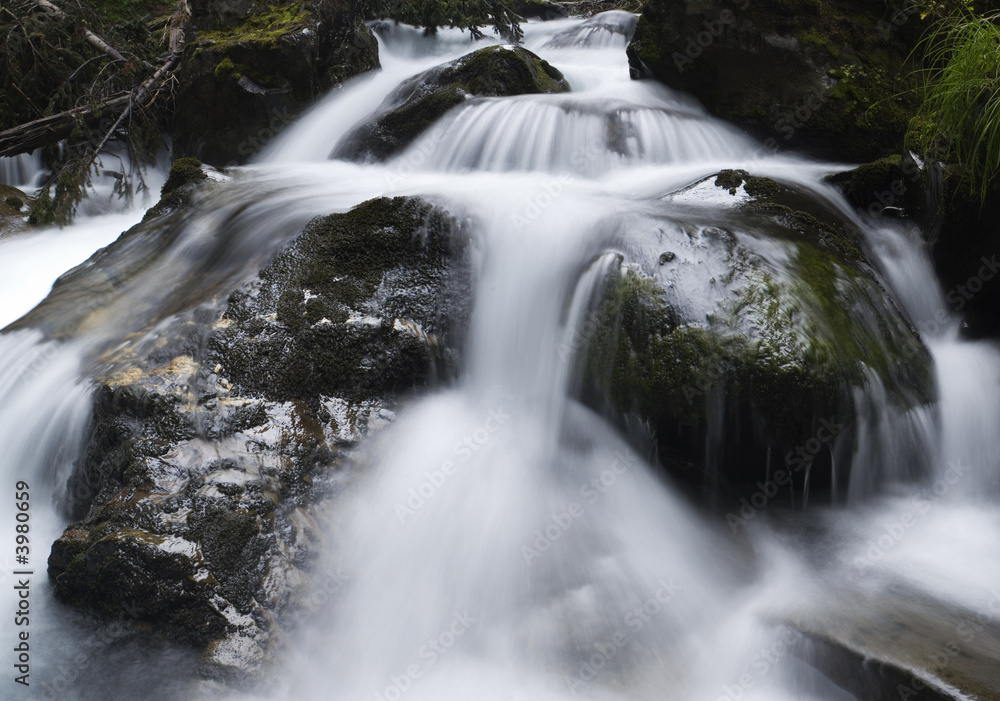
(22, 171)
(587, 136)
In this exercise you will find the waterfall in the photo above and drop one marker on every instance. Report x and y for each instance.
(502, 539)
(21, 171)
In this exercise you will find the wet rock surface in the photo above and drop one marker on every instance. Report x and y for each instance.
(494, 71)
(252, 68)
(214, 437)
(795, 317)
(825, 75)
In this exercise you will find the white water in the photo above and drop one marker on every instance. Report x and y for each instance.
(22, 171)
(544, 534)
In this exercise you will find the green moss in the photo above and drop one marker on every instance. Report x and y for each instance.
(813, 37)
(498, 70)
(779, 94)
(183, 171)
(731, 180)
(758, 187)
(226, 70)
(265, 28)
(333, 271)
(185, 174)
(493, 71)
(646, 364)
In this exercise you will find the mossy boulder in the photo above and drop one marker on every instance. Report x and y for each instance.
(830, 76)
(253, 68)
(185, 175)
(216, 435)
(795, 320)
(13, 210)
(495, 71)
(354, 307)
(893, 186)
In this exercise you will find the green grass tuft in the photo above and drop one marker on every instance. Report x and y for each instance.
(960, 116)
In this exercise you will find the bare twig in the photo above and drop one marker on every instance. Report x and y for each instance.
(92, 39)
(40, 132)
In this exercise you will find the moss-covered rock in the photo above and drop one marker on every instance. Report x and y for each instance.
(777, 353)
(826, 75)
(352, 308)
(494, 71)
(215, 436)
(891, 186)
(185, 175)
(13, 210)
(253, 68)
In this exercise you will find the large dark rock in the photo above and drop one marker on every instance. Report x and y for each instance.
(830, 76)
(739, 338)
(252, 68)
(215, 436)
(966, 249)
(495, 71)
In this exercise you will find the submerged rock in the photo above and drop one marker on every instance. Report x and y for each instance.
(494, 71)
(214, 437)
(753, 336)
(829, 76)
(252, 69)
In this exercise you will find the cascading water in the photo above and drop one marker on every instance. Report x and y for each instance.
(21, 171)
(505, 542)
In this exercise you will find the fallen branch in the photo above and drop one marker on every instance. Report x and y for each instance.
(41, 132)
(92, 39)
(173, 58)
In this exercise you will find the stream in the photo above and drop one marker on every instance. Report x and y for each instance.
(549, 558)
